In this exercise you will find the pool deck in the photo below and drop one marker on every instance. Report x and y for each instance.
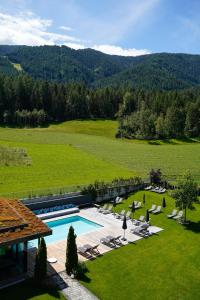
(111, 226)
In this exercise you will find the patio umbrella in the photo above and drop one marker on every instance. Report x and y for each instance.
(124, 226)
(147, 216)
(144, 199)
(164, 203)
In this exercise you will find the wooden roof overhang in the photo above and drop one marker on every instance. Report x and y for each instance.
(19, 224)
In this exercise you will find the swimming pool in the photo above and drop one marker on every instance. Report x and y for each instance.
(60, 228)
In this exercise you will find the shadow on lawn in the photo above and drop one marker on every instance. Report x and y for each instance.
(28, 289)
(193, 226)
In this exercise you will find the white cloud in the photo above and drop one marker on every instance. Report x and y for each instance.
(29, 29)
(75, 46)
(116, 50)
(65, 28)
(111, 49)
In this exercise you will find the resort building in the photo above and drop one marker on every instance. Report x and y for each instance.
(18, 225)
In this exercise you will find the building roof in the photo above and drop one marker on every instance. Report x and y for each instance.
(19, 224)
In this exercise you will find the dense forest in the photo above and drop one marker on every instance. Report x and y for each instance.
(141, 113)
(61, 64)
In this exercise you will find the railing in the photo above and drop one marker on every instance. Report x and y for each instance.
(29, 194)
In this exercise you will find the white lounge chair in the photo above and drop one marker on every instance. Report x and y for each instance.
(84, 251)
(128, 215)
(101, 209)
(118, 216)
(173, 214)
(139, 204)
(157, 210)
(109, 210)
(108, 241)
(153, 207)
(120, 200)
(139, 221)
(135, 203)
(139, 231)
(148, 188)
(179, 215)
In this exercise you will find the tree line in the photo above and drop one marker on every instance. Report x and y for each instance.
(159, 115)
(141, 113)
(28, 102)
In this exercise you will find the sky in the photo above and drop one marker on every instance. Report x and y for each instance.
(122, 27)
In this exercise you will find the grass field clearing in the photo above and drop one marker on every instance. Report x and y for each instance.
(79, 152)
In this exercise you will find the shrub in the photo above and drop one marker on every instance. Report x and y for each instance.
(80, 270)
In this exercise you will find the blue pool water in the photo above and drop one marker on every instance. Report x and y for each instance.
(60, 228)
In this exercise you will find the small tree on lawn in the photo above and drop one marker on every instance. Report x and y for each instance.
(155, 176)
(186, 194)
(41, 262)
(71, 252)
(164, 202)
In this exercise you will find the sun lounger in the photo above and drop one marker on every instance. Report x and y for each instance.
(108, 211)
(108, 242)
(135, 203)
(120, 200)
(173, 214)
(118, 216)
(115, 240)
(117, 199)
(138, 221)
(139, 231)
(101, 209)
(128, 215)
(145, 225)
(152, 208)
(148, 188)
(139, 204)
(179, 215)
(84, 251)
(92, 249)
(156, 190)
(157, 210)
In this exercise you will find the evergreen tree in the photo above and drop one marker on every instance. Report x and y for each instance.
(41, 262)
(71, 252)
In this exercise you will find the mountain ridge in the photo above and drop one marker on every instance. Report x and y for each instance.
(167, 71)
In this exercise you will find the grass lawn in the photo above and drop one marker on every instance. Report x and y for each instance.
(164, 266)
(27, 291)
(79, 152)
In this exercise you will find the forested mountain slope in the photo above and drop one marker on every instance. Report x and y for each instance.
(62, 64)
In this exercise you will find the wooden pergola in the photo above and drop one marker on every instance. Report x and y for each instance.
(18, 225)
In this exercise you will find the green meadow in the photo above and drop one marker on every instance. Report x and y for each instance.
(77, 153)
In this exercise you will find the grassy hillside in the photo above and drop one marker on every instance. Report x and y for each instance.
(79, 152)
(6, 67)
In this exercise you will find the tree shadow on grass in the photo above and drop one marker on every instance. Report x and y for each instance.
(193, 226)
(26, 290)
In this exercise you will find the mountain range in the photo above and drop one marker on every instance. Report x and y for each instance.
(164, 71)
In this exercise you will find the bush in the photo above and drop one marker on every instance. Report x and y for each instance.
(80, 270)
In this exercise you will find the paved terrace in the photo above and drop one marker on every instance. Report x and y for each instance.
(111, 226)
